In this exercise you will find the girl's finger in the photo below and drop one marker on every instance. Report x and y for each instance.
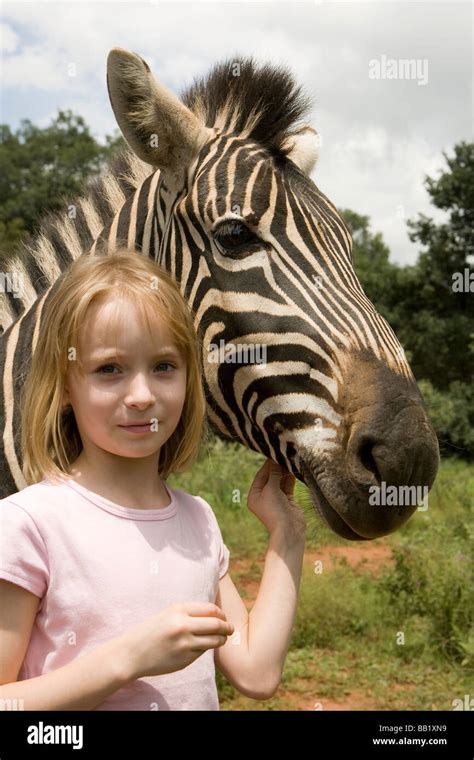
(275, 471)
(263, 472)
(288, 484)
(260, 479)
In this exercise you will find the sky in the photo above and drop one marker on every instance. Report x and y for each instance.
(391, 82)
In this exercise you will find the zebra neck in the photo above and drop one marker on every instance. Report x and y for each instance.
(142, 222)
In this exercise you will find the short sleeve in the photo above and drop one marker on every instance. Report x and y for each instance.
(224, 555)
(23, 555)
(222, 550)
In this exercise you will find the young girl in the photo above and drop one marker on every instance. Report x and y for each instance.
(115, 590)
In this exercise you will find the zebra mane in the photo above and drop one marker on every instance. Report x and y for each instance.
(100, 199)
(262, 102)
(42, 255)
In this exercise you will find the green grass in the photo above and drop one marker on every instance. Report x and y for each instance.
(402, 639)
(368, 675)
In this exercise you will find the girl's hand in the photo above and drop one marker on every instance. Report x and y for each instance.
(271, 500)
(173, 638)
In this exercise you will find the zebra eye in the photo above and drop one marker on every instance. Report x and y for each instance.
(233, 235)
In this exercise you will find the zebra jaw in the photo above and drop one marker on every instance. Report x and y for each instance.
(323, 507)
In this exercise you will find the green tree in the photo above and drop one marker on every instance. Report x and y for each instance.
(40, 167)
(440, 330)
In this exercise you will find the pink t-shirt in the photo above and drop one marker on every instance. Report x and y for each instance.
(100, 568)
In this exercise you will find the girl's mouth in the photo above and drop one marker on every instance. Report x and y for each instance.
(137, 428)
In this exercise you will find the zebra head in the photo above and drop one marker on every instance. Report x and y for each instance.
(298, 364)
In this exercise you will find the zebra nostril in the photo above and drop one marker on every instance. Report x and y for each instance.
(362, 462)
(371, 461)
(367, 459)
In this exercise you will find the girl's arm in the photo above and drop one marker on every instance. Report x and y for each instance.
(253, 659)
(81, 685)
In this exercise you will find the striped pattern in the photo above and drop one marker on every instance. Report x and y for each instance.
(294, 291)
(273, 298)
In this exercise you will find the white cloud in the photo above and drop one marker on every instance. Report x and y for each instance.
(363, 145)
(31, 69)
(8, 39)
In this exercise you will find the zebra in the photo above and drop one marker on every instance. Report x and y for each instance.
(215, 186)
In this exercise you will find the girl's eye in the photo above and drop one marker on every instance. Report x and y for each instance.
(112, 366)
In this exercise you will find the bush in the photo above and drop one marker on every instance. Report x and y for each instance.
(452, 416)
(433, 579)
(336, 606)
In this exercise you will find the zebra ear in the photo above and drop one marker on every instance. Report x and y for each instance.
(159, 128)
(303, 148)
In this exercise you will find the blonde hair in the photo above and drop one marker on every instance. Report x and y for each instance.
(50, 439)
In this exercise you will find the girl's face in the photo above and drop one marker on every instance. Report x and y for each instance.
(144, 381)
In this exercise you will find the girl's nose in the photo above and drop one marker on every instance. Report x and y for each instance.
(139, 390)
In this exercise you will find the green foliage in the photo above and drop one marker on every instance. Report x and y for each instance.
(428, 594)
(452, 414)
(334, 606)
(432, 585)
(40, 167)
(452, 494)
